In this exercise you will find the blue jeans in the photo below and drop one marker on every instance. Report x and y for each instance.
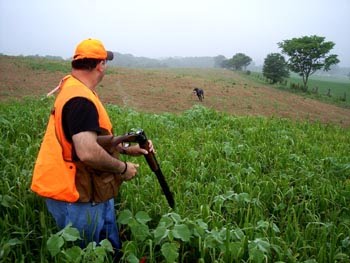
(95, 222)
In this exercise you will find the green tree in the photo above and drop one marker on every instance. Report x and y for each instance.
(218, 61)
(226, 64)
(307, 55)
(240, 61)
(275, 68)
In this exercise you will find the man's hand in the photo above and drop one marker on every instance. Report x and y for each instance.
(131, 171)
(136, 150)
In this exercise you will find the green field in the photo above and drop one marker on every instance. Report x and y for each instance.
(247, 189)
(339, 87)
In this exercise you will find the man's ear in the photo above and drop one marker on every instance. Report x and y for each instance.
(100, 66)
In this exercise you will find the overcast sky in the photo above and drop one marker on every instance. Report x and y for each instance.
(167, 28)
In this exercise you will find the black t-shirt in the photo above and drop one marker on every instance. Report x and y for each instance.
(78, 115)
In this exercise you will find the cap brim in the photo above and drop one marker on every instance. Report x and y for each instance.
(110, 55)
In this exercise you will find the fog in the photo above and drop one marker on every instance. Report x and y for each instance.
(161, 28)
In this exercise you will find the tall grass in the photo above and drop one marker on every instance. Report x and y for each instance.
(247, 189)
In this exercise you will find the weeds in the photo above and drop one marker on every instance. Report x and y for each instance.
(247, 189)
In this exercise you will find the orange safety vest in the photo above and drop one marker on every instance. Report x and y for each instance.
(54, 173)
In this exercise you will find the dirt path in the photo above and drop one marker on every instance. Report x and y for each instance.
(170, 90)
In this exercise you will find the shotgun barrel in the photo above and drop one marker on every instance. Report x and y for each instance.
(153, 164)
(139, 136)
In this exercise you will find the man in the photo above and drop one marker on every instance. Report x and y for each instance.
(77, 176)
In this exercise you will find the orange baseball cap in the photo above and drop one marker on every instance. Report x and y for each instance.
(92, 48)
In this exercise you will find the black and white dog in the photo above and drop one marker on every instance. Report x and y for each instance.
(199, 92)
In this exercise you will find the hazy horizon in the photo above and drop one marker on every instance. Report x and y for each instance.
(160, 29)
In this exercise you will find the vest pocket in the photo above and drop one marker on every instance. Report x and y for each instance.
(96, 186)
(106, 186)
(83, 182)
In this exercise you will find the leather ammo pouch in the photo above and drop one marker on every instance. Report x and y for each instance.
(95, 186)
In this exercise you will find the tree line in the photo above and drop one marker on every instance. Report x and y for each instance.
(128, 60)
(306, 55)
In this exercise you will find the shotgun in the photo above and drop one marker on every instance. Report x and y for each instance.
(139, 136)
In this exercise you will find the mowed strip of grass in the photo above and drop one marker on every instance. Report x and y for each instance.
(338, 87)
(333, 90)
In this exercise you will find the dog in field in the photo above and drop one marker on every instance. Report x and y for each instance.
(199, 92)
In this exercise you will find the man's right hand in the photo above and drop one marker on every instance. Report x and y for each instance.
(130, 172)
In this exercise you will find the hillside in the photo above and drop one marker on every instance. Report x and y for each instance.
(170, 90)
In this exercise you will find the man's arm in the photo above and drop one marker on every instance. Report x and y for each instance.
(92, 154)
(80, 123)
